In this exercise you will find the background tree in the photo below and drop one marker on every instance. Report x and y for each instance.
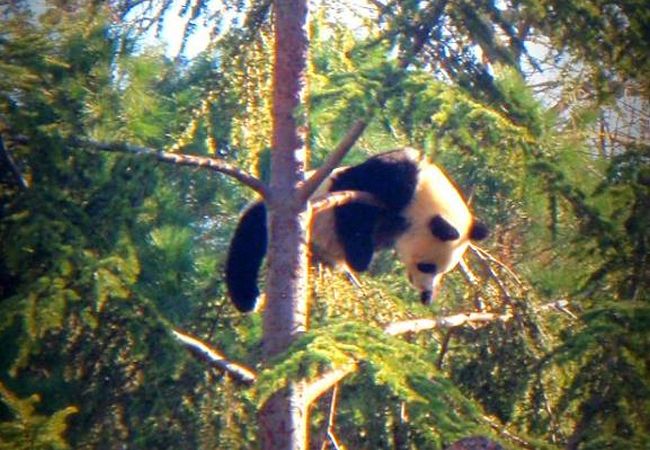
(538, 108)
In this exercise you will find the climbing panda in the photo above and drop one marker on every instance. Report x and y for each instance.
(418, 212)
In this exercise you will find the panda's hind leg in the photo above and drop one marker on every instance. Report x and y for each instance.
(355, 228)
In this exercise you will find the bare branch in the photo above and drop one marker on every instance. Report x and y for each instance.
(416, 325)
(444, 347)
(311, 184)
(216, 359)
(484, 255)
(214, 164)
(330, 421)
(501, 429)
(323, 383)
(558, 305)
(333, 199)
(472, 279)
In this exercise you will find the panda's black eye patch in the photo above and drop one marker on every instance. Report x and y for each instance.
(442, 229)
(426, 267)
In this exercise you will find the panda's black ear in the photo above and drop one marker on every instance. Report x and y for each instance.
(442, 229)
(479, 231)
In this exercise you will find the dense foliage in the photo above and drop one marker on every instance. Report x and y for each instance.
(103, 254)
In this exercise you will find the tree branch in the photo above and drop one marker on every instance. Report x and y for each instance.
(323, 383)
(318, 387)
(472, 279)
(483, 255)
(310, 185)
(216, 165)
(214, 358)
(338, 198)
(416, 325)
(558, 305)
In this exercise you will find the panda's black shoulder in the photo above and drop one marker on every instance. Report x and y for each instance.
(391, 177)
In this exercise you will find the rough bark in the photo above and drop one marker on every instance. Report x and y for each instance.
(283, 417)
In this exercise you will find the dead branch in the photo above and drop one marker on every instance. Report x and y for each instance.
(311, 184)
(216, 359)
(331, 437)
(484, 255)
(444, 347)
(485, 261)
(501, 429)
(323, 383)
(333, 199)
(213, 164)
(417, 325)
(6, 157)
(558, 305)
(473, 280)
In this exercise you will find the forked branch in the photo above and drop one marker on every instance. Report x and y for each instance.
(311, 184)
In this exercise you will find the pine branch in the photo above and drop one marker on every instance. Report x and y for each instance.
(216, 359)
(213, 164)
(322, 384)
(311, 184)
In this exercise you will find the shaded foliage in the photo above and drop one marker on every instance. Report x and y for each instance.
(102, 255)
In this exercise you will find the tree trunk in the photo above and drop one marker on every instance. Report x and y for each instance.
(283, 418)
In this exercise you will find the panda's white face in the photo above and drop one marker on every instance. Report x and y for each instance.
(438, 233)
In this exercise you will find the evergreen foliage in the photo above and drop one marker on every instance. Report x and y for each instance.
(102, 255)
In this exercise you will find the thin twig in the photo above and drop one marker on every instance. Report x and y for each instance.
(558, 305)
(472, 279)
(444, 347)
(216, 359)
(311, 184)
(330, 420)
(485, 261)
(214, 164)
(501, 429)
(483, 255)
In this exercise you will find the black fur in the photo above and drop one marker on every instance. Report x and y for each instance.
(427, 267)
(442, 229)
(479, 231)
(360, 228)
(391, 177)
(245, 256)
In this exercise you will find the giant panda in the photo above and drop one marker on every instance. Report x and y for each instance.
(422, 216)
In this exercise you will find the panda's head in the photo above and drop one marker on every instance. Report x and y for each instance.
(439, 229)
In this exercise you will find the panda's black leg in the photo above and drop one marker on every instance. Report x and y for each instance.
(354, 226)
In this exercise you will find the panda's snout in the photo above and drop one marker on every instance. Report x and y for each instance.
(426, 297)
